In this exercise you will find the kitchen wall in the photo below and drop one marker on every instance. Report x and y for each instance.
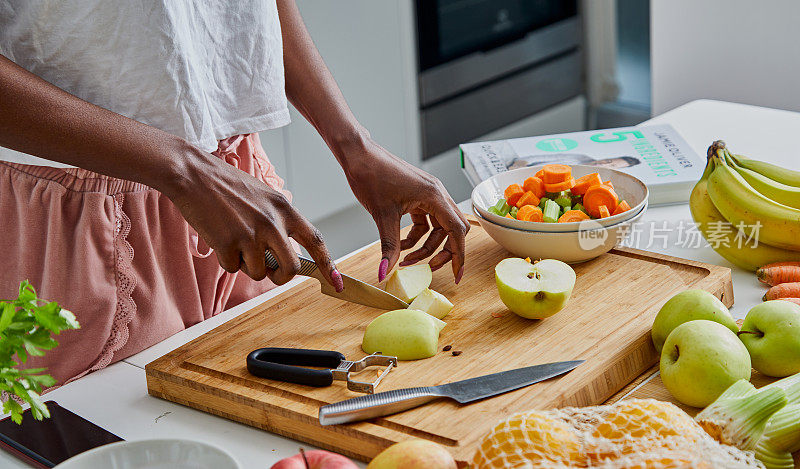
(732, 50)
(369, 46)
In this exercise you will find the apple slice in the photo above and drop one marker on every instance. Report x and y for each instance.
(433, 303)
(408, 282)
(407, 334)
(534, 291)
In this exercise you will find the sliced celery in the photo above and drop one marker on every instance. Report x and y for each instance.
(551, 211)
(579, 207)
(564, 199)
(502, 207)
(513, 212)
(542, 201)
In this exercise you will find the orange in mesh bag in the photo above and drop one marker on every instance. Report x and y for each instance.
(640, 433)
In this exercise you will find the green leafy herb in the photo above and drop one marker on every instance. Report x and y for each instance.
(26, 328)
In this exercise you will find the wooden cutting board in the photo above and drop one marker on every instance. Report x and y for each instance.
(607, 323)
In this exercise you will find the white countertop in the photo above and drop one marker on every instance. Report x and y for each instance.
(116, 398)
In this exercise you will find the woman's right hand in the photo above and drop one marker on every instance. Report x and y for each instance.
(241, 217)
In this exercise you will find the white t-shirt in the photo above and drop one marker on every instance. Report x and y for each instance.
(199, 69)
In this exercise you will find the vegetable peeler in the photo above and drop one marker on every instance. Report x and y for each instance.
(289, 365)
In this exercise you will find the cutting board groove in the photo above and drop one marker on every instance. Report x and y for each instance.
(606, 323)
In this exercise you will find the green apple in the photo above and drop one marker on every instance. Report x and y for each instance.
(688, 306)
(700, 359)
(534, 291)
(408, 282)
(432, 302)
(771, 332)
(414, 454)
(407, 334)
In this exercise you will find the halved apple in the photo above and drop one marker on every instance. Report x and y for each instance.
(408, 282)
(534, 291)
(433, 303)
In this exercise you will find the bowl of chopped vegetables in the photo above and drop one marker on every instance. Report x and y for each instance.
(559, 198)
(586, 243)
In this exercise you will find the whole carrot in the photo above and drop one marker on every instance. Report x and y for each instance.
(778, 264)
(778, 274)
(783, 290)
(793, 300)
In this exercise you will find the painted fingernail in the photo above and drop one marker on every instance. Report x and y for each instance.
(459, 274)
(382, 269)
(338, 283)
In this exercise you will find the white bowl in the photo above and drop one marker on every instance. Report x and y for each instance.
(590, 241)
(153, 454)
(627, 187)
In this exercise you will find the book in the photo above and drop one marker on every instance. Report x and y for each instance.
(655, 154)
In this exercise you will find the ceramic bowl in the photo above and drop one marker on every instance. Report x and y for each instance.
(627, 187)
(153, 454)
(586, 243)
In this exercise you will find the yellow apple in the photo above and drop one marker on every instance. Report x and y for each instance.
(413, 454)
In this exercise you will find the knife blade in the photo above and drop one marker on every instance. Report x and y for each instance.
(463, 392)
(355, 291)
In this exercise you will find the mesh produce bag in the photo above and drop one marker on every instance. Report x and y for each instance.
(637, 433)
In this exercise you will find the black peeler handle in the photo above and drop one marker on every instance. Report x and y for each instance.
(286, 364)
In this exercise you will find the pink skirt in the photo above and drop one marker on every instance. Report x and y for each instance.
(118, 254)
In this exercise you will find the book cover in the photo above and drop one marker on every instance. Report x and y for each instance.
(655, 154)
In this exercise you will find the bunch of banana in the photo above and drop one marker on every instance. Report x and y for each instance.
(761, 199)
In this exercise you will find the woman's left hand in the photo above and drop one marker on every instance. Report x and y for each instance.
(388, 188)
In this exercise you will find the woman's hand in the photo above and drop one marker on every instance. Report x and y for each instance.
(241, 218)
(388, 188)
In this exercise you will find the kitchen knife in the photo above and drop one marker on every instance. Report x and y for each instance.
(464, 392)
(355, 291)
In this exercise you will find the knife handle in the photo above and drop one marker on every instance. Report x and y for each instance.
(307, 266)
(376, 405)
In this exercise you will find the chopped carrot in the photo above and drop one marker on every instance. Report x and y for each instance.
(535, 185)
(554, 173)
(572, 216)
(621, 207)
(528, 260)
(559, 186)
(583, 183)
(778, 264)
(608, 183)
(793, 300)
(508, 215)
(783, 290)
(604, 212)
(530, 213)
(528, 198)
(597, 196)
(539, 174)
(777, 275)
(513, 193)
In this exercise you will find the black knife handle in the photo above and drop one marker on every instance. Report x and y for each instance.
(287, 364)
(307, 266)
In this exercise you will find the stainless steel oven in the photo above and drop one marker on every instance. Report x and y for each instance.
(484, 64)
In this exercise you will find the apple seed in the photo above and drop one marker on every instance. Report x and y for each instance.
(447, 348)
(457, 353)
